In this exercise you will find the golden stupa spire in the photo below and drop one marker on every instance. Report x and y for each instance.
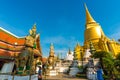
(34, 26)
(89, 18)
(51, 45)
(51, 49)
(78, 43)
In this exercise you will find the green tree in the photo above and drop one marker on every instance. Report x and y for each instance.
(101, 55)
(117, 64)
(108, 63)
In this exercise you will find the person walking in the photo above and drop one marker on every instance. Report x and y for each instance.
(99, 73)
(40, 73)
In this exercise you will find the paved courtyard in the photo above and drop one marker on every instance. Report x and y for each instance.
(62, 77)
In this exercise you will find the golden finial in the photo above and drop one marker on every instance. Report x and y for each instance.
(69, 52)
(89, 18)
(34, 26)
(78, 43)
(51, 46)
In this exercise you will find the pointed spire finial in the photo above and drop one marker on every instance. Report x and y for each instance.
(69, 52)
(89, 18)
(78, 43)
(51, 44)
(34, 26)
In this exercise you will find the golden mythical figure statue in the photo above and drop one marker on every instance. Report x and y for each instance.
(26, 58)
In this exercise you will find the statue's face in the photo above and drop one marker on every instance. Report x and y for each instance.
(29, 41)
(34, 30)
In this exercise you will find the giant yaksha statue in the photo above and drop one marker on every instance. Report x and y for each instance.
(26, 58)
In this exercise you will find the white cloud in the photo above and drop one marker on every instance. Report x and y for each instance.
(61, 44)
(115, 32)
(115, 36)
(55, 40)
(62, 50)
(60, 40)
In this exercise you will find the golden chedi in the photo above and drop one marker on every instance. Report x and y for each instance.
(94, 33)
(77, 51)
(51, 56)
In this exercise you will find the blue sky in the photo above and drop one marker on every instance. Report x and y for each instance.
(61, 22)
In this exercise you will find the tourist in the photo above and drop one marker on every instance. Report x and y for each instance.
(44, 69)
(91, 74)
(40, 73)
(99, 73)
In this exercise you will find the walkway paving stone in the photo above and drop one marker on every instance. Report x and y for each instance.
(62, 77)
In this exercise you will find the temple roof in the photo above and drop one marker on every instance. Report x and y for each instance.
(9, 38)
(2, 29)
(11, 44)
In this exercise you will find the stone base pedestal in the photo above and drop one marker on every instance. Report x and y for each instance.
(28, 77)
